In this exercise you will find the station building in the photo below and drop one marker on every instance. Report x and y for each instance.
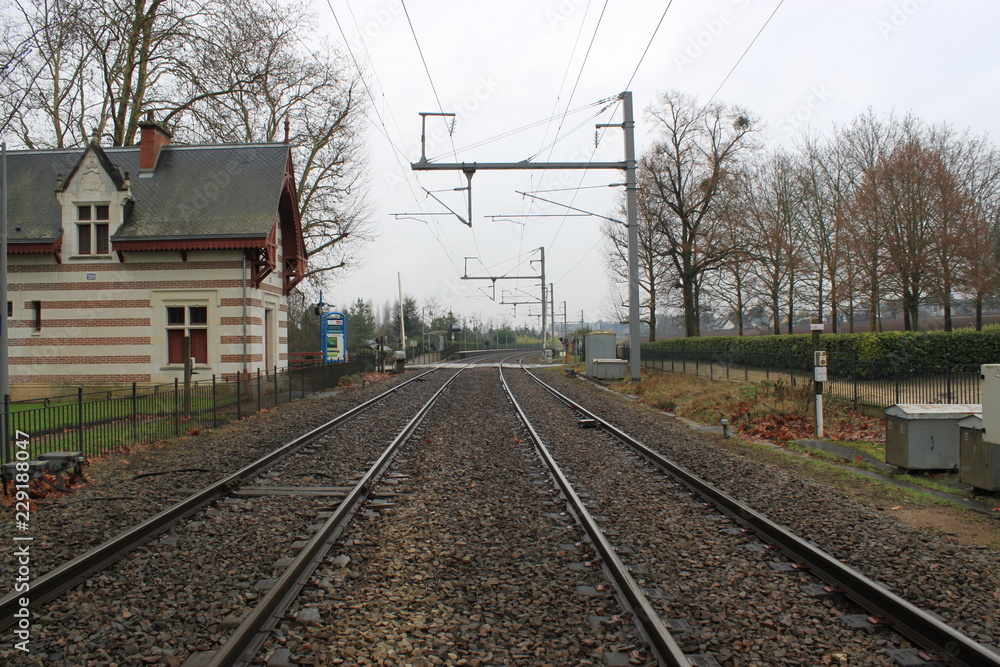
(116, 254)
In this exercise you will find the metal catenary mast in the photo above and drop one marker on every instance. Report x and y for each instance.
(628, 165)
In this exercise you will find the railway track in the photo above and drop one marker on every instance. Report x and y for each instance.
(488, 531)
(276, 514)
(698, 584)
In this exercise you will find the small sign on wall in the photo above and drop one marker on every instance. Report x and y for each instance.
(91, 276)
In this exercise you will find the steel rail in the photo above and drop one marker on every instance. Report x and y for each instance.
(661, 642)
(60, 579)
(912, 622)
(246, 639)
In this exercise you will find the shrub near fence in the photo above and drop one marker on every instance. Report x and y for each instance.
(856, 375)
(863, 354)
(100, 423)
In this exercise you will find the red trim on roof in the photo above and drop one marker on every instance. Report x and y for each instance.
(292, 242)
(30, 248)
(42, 248)
(263, 259)
(191, 244)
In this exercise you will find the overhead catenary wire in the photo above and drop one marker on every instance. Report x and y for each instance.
(437, 98)
(631, 78)
(397, 152)
(422, 59)
(752, 42)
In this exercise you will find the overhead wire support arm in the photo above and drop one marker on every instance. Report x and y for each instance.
(628, 165)
(467, 167)
(423, 129)
(438, 200)
(572, 208)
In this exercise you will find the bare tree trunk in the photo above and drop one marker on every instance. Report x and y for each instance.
(692, 327)
(791, 301)
(946, 303)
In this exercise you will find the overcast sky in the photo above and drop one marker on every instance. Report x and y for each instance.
(504, 65)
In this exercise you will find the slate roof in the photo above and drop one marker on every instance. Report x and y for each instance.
(197, 192)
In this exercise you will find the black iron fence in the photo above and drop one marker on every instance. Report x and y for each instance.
(97, 423)
(873, 381)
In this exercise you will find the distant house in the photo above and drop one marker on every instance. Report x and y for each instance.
(116, 254)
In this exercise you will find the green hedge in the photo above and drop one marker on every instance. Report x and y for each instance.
(868, 354)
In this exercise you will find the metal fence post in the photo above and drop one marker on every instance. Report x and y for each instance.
(258, 390)
(79, 418)
(854, 372)
(947, 376)
(275, 386)
(135, 415)
(177, 408)
(895, 375)
(239, 397)
(215, 404)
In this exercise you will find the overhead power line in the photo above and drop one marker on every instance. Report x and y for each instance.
(422, 59)
(780, 2)
(648, 44)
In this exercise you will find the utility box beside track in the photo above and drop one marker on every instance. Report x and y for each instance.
(925, 436)
(979, 461)
(600, 345)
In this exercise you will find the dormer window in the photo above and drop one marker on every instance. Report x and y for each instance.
(92, 229)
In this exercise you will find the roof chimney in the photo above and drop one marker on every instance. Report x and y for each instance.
(153, 137)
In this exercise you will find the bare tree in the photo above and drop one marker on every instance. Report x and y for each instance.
(771, 206)
(968, 178)
(825, 192)
(860, 147)
(215, 70)
(653, 269)
(683, 178)
(735, 286)
(315, 93)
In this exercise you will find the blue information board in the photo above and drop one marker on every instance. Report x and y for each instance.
(333, 337)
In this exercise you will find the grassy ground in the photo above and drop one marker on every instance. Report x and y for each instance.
(770, 410)
(765, 414)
